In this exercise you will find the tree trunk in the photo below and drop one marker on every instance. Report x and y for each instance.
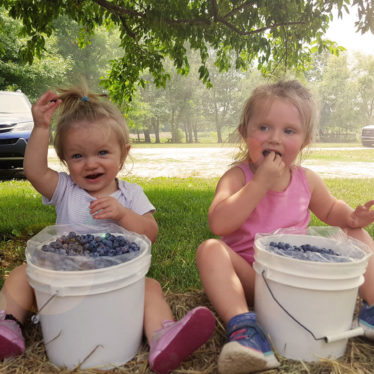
(156, 129)
(190, 138)
(195, 134)
(147, 136)
(218, 127)
(174, 128)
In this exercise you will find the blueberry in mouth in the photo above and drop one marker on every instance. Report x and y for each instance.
(266, 152)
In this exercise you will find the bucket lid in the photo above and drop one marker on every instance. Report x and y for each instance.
(88, 282)
(327, 270)
(57, 261)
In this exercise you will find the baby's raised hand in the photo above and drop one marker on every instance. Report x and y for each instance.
(363, 215)
(107, 208)
(44, 108)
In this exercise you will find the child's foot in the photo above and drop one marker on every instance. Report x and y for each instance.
(366, 319)
(177, 340)
(248, 349)
(11, 339)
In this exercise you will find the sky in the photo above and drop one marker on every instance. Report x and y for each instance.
(344, 33)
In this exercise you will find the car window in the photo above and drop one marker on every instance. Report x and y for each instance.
(14, 104)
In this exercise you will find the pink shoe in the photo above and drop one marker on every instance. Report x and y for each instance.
(11, 338)
(177, 340)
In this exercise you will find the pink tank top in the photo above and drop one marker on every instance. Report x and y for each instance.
(289, 208)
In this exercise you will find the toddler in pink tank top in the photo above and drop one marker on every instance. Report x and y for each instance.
(264, 191)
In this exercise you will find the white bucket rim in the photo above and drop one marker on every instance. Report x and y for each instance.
(366, 256)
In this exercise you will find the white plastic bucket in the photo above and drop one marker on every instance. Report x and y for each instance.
(91, 318)
(306, 307)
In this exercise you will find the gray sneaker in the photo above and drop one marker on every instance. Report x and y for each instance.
(248, 349)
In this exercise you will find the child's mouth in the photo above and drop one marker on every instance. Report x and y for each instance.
(93, 176)
(267, 152)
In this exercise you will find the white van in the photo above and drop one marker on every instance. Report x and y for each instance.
(367, 136)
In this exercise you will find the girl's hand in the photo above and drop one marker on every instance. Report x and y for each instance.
(270, 170)
(107, 208)
(363, 215)
(44, 108)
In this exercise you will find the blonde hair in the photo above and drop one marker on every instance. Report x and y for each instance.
(78, 104)
(292, 91)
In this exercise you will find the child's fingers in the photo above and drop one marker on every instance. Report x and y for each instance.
(101, 206)
(369, 204)
(46, 98)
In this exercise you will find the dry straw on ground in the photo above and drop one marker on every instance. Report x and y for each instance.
(359, 357)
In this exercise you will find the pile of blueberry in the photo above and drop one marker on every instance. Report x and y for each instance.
(89, 245)
(306, 252)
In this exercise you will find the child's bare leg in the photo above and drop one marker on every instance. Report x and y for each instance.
(228, 279)
(17, 297)
(170, 341)
(367, 288)
(156, 309)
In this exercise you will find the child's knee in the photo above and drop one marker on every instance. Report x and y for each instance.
(209, 251)
(204, 250)
(17, 275)
(152, 286)
(361, 235)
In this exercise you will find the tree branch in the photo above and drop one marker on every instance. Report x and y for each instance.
(215, 9)
(198, 21)
(128, 31)
(118, 9)
(237, 9)
(257, 31)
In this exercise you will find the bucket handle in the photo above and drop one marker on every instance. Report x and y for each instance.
(36, 317)
(328, 339)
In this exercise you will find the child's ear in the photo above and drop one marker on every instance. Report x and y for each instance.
(306, 142)
(125, 154)
(242, 130)
(128, 146)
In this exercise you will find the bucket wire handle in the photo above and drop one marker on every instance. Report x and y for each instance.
(284, 309)
(36, 317)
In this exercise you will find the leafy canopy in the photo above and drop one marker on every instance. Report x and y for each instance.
(270, 33)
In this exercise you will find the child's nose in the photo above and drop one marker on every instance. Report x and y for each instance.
(275, 136)
(90, 163)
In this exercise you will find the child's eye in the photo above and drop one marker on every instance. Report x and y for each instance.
(103, 153)
(289, 131)
(263, 128)
(76, 156)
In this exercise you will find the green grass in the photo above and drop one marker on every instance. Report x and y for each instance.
(351, 155)
(182, 206)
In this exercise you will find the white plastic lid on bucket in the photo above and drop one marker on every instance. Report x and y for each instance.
(92, 318)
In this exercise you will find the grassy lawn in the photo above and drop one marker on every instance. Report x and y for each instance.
(353, 155)
(182, 206)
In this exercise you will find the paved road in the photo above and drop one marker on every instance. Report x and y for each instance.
(213, 162)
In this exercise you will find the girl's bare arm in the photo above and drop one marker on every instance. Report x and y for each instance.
(336, 212)
(35, 163)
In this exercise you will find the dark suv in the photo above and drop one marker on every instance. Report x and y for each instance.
(367, 136)
(16, 124)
